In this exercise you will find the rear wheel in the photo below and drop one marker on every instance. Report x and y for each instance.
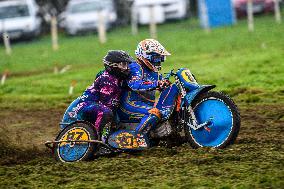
(223, 119)
(76, 151)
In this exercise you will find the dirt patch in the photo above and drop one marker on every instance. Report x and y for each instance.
(262, 124)
(23, 132)
(24, 127)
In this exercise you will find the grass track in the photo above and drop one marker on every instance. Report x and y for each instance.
(248, 66)
(231, 57)
(255, 161)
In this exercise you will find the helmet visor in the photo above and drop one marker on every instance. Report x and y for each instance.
(123, 65)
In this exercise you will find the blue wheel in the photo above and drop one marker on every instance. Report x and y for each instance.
(222, 118)
(76, 151)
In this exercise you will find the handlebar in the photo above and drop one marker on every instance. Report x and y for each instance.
(171, 73)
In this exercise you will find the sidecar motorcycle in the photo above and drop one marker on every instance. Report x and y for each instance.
(202, 118)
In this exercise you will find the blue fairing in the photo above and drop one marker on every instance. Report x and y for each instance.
(190, 96)
(221, 125)
(67, 119)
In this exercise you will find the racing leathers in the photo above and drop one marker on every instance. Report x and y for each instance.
(97, 104)
(138, 101)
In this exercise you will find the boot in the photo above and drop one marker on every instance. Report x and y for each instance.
(147, 123)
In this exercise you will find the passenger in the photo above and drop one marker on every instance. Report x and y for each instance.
(99, 102)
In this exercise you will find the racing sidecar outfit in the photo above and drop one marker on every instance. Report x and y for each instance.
(98, 103)
(138, 101)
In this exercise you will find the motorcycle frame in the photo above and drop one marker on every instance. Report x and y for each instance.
(187, 98)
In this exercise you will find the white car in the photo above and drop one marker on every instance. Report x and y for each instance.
(19, 18)
(83, 15)
(163, 10)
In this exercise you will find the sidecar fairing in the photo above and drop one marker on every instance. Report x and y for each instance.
(128, 140)
(70, 114)
(191, 95)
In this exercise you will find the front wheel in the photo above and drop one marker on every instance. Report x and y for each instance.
(76, 151)
(222, 116)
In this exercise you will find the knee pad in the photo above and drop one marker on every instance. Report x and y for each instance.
(156, 112)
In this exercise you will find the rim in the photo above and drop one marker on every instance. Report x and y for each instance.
(221, 123)
(69, 152)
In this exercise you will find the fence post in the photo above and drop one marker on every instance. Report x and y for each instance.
(102, 27)
(72, 86)
(7, 43)
(153, 25)
(134, 20)
(250, 16)
(6, 40)
(204, 16)
(65, 69)
(4, 77)
(55, 69)
(277, 11)
(54, 33)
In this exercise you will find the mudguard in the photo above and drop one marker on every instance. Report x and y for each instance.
(190, 96)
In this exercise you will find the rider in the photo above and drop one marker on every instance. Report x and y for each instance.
(138, 102)
(99, 101)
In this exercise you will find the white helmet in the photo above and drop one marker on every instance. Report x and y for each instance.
(151, 53)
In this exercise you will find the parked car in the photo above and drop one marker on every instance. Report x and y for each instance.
(259, 6)
(19, 18)
(163, 10)
(83, 15)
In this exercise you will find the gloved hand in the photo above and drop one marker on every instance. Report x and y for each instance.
(162, 84)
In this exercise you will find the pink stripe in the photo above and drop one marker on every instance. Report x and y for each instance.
(167, 95)
(99, 120)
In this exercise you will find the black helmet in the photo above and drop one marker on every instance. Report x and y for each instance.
(116, 63)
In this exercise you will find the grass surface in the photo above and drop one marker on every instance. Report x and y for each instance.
(248, 66)
(232, 58)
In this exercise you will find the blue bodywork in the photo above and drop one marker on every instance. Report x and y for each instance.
(213, 111)
(190, 96)
(66, 120)
(221, 125)
(128, 140)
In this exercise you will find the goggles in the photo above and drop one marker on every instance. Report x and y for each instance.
(156, 58)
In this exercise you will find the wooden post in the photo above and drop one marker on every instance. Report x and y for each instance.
(250, 16)
(277, 11)
(54, 33)
(72, 86)
(4, 77)
(7, 43)
(204, 16)
(102, 28)
(64, 69)
(134, 21)
(153, 25)
(55, 70)
(6, 40)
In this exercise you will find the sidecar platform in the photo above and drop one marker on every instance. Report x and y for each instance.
(128, 140)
